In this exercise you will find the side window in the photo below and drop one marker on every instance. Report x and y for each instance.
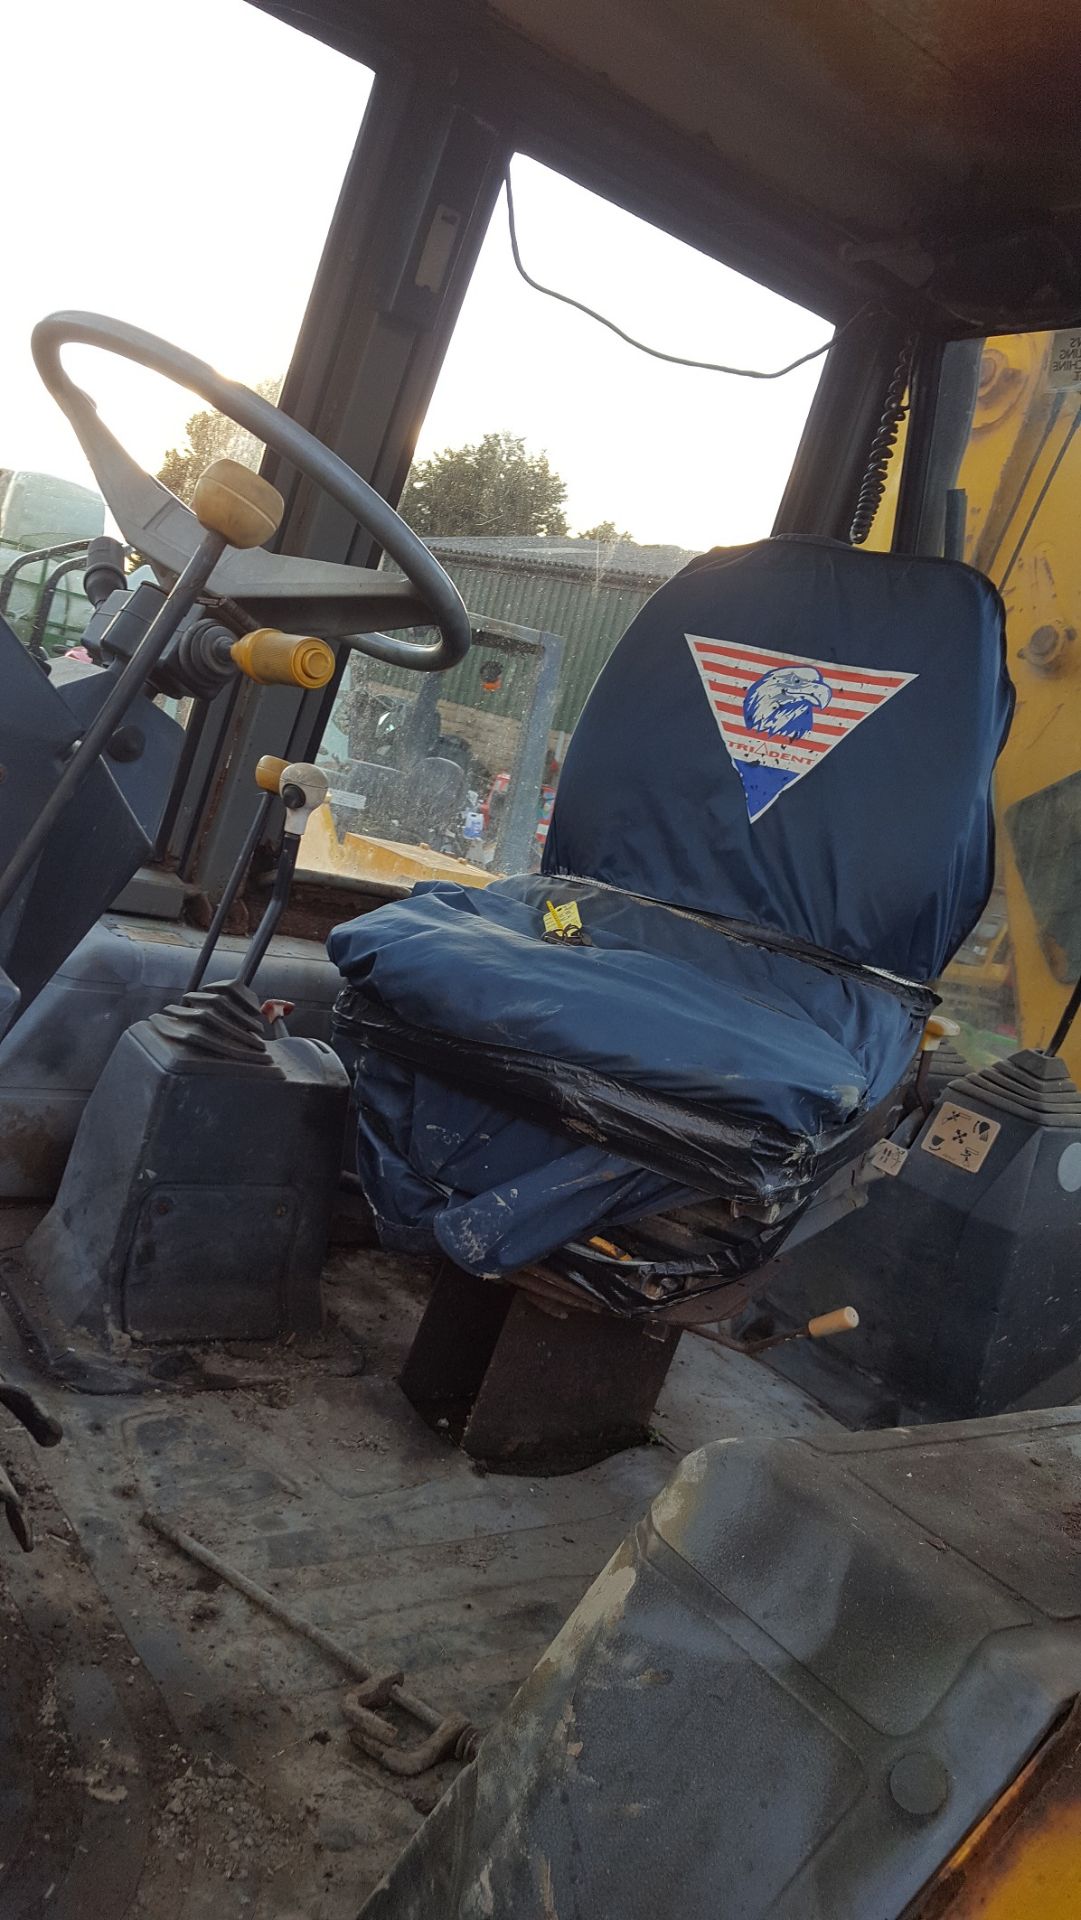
(561, 476)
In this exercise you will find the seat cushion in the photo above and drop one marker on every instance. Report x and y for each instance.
(450, 1171)
(661, 1005)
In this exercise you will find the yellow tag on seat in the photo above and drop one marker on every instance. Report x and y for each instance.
(564, 919)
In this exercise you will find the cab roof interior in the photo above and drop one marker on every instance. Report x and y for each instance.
(912, 154)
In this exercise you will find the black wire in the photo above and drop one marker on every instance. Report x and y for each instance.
(673, 359)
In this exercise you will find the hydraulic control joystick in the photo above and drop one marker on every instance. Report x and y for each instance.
(302, 788)
(196, 1201)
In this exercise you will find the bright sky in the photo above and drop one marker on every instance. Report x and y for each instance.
(132, 119)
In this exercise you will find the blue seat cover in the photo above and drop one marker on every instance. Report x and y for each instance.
(781, 781)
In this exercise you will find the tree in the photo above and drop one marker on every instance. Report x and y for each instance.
(212, 437)
(494, 487)
(607, 534)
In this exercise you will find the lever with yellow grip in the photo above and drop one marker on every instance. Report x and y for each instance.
(937, 1029)
(268, 773)
(274, 659)
(841, 1320)
(302, 786)
(822, 1327)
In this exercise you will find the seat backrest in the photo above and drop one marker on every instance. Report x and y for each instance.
(800, 735)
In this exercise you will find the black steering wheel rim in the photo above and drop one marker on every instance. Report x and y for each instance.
(293, 442)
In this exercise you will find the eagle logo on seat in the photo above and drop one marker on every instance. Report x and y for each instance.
(784, 699)
(780, 714)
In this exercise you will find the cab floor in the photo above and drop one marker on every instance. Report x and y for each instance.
(168, 1750)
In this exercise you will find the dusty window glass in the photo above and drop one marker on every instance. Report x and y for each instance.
(561, 476)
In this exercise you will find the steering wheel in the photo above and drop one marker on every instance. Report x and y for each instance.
(347, 600)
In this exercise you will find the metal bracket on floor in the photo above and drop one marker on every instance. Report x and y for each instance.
(449, 1734)
(376, 1737)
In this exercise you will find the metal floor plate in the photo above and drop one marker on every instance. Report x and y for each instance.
(166, 1750)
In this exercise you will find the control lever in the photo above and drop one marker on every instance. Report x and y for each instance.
(302, 788)
(235, 507)
(823, 1326)
(937, 1029)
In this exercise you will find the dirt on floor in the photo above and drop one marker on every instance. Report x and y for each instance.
(168, 1751)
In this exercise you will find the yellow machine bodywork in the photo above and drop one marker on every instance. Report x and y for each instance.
(1021, 474)
(1023, 1860)
(386, 866)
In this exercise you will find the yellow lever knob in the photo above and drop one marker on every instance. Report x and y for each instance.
(268, 773)
(232, 500)
(937, 1029)
(274, 659)
(841, 1320)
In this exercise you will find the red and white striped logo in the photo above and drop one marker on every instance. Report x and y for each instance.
(779, 714)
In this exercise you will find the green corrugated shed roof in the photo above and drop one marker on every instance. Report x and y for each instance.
(587, 594)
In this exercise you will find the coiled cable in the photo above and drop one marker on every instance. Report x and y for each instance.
(874, 479)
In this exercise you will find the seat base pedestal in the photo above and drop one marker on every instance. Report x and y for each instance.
(526, 1389)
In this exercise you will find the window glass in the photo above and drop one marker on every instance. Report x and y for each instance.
(179, 164)
(561, 477)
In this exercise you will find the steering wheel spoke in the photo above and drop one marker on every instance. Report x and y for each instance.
(336, 602)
